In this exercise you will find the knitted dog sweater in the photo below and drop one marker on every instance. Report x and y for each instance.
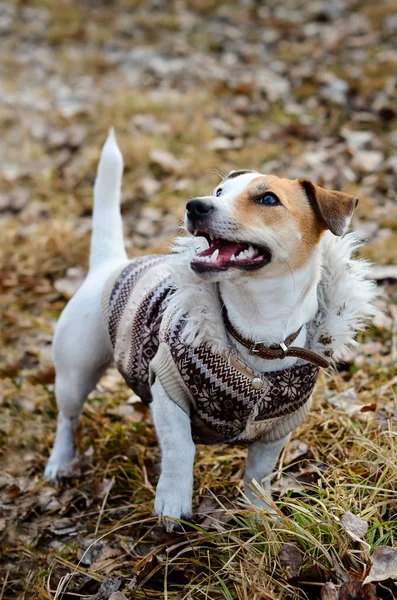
(216, 390)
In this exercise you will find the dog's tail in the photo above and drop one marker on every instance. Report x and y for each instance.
(107, 229)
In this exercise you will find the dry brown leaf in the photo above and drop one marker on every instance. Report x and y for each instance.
(294, 450)
(103, 488)
(214, 513)
(146, 565)
(117, 596)
(384, 565)
(44, 374)
(355, 590)
(329, 591)
(106, 561)
(291, 558)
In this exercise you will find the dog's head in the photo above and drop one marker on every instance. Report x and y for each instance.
(263, 225)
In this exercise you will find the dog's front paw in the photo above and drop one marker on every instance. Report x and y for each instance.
(56, 463)
(172, 503)
(51, 472)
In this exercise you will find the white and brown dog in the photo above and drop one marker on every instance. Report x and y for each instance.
(265, 266)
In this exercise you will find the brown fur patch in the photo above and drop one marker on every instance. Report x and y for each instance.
(294, 226)
(334, 208)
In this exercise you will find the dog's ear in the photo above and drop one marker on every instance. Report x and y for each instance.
(335, 209)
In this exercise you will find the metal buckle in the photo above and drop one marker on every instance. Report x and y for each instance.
(254, 349)
(284, 349)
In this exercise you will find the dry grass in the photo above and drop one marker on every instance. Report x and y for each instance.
(63, 542)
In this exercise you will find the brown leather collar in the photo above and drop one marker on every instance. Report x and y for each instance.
(284, 350)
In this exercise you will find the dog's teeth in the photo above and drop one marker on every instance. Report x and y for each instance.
(251, 251)
(233, 257)
(212, 237)
(215, 255)
(195, 232)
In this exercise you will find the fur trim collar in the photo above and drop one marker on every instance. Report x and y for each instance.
(345, 299)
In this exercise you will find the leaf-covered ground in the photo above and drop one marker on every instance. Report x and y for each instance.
(193, 87)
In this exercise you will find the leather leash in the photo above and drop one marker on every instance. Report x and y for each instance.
(284, 350)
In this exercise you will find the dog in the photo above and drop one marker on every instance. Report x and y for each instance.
(225, 336)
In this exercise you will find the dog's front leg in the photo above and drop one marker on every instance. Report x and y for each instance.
(261, 461)
(175, 487)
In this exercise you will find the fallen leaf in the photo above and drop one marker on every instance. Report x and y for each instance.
(347, 401)
(329, 591)
(106, 561)
(383, 389)
(369, 407)
(291, 558)
(165, 163)
(71, 283)
(382, 321)
(10, 493)
(295, 449)
(340, 573)
(108, 587)
(384, 565)
(10, 368)
(354, 526)
(355, 590)
(214, 513)
(44, 374)
(381, 272)
(223, 143)
(146, 565)
(127, 411)
(102, 488)
(74, 469)
(367, 160)
(62, 527)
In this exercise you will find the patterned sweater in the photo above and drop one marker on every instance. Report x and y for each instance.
(216, 390)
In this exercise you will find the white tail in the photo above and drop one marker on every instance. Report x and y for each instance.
(107, 229)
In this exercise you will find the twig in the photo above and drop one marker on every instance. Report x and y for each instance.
(3, 589)
(109, 487)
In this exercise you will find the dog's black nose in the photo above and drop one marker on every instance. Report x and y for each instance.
(198, 209)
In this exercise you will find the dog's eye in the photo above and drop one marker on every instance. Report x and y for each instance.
(218, 192)
(268, 199)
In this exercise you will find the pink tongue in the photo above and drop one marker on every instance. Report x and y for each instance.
(226, 249)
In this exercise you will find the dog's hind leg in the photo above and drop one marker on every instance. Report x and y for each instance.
(82, 351)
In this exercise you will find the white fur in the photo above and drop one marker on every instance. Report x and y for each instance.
(107, 228)
(345, 294)
(340, 301)
(175, 487)
(265, 310)
(261, 461)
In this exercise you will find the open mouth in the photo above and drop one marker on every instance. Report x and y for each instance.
(224, 254)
